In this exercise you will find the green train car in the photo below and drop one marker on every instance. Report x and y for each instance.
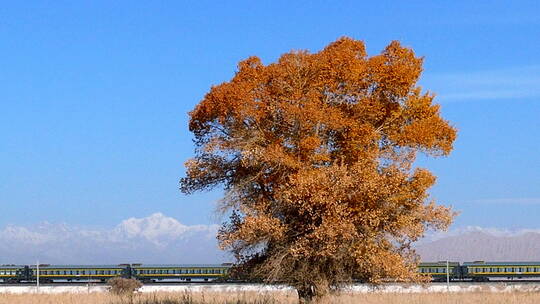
(439, 271)
(13, 273)
(184, 272)
(69, 273)
(481, 271)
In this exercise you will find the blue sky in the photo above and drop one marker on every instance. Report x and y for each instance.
(94, 98)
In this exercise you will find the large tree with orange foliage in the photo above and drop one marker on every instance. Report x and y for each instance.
(315, 153)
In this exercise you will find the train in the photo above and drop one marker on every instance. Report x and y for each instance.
(102, 273)
(478, 271)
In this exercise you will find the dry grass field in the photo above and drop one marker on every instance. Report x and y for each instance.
(272, 298)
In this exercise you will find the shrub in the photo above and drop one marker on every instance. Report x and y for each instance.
(122, 286)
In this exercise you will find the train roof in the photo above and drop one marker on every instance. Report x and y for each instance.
(44, 266)
(132, 265)
(482, 263)
(10, 266)
(441, 263)
(181, 265)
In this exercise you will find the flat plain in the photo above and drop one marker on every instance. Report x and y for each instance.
(272, 298)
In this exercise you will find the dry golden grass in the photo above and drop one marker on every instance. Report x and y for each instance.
(272, 298)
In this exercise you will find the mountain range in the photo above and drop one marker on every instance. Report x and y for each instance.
(160, 239)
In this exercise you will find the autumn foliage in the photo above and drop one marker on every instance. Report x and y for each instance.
(315, 153)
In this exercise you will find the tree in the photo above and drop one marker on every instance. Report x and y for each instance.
(315, 153)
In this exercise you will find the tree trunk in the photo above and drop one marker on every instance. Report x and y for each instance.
(306, 294)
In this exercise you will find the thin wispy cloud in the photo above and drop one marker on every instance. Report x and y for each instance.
(511, 83)
(523, 201)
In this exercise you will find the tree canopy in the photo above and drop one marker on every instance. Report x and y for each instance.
(316, 153)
